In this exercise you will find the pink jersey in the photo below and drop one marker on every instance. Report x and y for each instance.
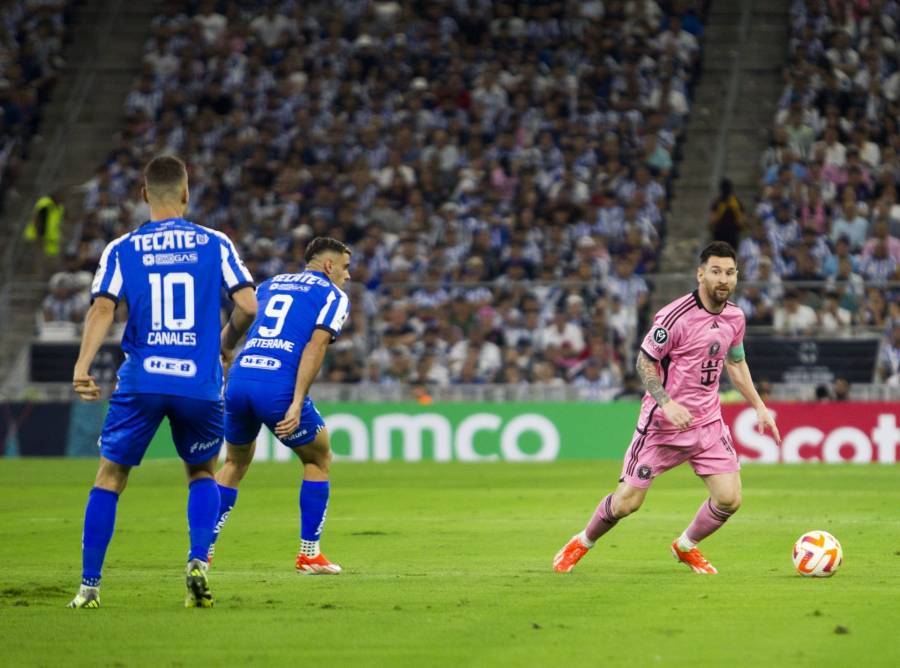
(689, 344)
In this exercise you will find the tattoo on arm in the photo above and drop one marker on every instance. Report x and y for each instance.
(646, 369)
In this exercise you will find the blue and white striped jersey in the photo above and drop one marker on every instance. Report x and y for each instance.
(170, 273)
(291, 306)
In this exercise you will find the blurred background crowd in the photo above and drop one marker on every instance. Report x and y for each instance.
(502, 172)
(462, 150)
(32, 34)
(828, 210)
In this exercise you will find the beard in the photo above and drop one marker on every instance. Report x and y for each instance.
(719, 295)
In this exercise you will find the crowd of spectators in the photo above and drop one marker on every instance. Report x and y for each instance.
(476, 155)
(828, 209)
(31, 40)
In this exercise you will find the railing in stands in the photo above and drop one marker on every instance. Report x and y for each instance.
(731, 97)
(372, 393)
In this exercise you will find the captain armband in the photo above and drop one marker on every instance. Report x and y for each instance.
(736, 353)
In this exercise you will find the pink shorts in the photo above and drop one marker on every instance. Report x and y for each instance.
(709, 449)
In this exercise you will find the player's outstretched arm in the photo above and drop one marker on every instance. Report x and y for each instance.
(239, 322)
(310, 363)
(739, 373)
(675, 412)
(97, 322)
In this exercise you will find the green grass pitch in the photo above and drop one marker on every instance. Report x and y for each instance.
(449, 565)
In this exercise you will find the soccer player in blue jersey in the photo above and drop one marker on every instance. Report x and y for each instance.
(170, 272)
(299, 316)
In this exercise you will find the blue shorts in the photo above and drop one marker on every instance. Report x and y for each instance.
(249, 404)
(132, 420)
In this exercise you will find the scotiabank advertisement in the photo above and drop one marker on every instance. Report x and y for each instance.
(828, 431)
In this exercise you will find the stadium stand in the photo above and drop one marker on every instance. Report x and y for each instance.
(31, 41)
(462, 152)
(504, 173)
(828, 211)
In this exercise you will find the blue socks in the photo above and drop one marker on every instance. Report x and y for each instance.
(227, 499)
(99, 522)
(313, 504)
(202, 510)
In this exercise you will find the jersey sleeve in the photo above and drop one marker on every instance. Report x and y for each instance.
(660, 340)
(234, 274)
(334, 313)
(736, 348)
(108, 278)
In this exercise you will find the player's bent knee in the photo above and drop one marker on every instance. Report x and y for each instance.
(625, 508)
(626, 505)
(239, 456)
(627, 499)
(202, 470)
(320, 458)
(111, 476)
(728, 502)
(318, 452)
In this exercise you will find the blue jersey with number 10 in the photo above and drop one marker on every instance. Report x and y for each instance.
(291, 307)
(170, 273)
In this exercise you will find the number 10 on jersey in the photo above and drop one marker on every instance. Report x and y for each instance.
(162, 301)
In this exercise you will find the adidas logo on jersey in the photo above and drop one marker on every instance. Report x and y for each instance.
(715, 325)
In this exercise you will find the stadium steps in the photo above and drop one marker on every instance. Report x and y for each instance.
(78, 131)
(756, 80)
(20, 323)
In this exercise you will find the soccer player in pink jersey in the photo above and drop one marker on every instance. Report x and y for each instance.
(680, 362)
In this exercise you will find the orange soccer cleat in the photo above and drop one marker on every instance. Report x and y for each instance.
(318, 565)
(694, 559)
(570, 554)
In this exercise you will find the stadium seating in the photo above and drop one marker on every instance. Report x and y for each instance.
(828, 211)
(30, 61)
(461, 154)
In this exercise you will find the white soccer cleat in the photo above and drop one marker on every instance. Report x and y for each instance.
(198, 593)
(87, 597)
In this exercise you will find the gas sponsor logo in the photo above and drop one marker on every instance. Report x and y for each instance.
(162, 259)
(850, 433)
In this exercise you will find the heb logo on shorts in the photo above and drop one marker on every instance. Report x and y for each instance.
(260, 362)
(168, 366)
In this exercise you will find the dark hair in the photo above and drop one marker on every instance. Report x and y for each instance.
(163, 174)
(717, 249)
(321, 245)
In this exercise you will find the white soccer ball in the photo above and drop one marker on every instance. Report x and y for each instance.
(817, 554)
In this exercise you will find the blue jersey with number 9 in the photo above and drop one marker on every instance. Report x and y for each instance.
(170, 273)
(291, 307)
